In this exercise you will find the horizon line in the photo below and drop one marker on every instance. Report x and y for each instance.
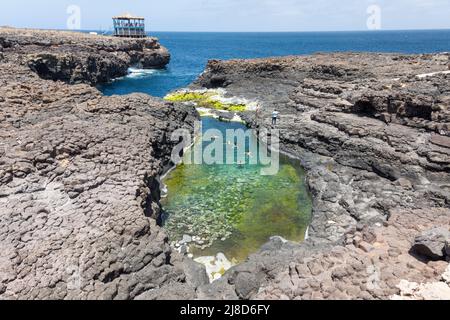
(242, 31)
(298, 31)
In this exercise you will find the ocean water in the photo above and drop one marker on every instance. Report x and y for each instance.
(191, 51)
(232, 209)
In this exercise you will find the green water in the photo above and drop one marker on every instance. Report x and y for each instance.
(234, 209)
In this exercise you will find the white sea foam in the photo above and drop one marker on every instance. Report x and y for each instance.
(141, 73)
(207, 112)
(215, 266)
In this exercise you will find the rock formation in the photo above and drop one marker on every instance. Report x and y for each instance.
(373, 133)
(79, 190)
(432, 243)
(81, 58)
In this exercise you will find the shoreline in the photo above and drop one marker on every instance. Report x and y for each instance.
(101, 155)
(310, 102)
(377, 175)
(223, 258)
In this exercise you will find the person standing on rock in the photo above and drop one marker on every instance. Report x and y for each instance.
(275, 114)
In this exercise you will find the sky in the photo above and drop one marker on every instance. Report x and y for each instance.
(231, 15)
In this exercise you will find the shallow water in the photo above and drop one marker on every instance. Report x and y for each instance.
(236, 204)
(191, 51)
(233, 208)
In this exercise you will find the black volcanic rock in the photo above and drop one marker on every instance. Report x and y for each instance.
(432, 243)
(373, 133)
(83, 58)
(79, 190)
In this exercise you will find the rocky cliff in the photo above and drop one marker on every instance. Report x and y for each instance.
(79, 190)
(82, 58)
(79, 171)
(373, 133)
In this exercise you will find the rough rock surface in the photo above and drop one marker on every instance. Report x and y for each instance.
(428, 291)
(79, 191)
(82, 58)
(373, 133)
(432, 243)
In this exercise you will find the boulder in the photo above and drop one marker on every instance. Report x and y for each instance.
(86, 216)
(246, 285)
(218, 290)
(432, 243)
(195, 273)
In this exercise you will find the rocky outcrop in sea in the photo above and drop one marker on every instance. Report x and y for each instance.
(373, 133)
(79, 171)
(82, 58)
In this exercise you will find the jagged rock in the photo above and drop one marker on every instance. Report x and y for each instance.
(246, 285)
(447, 248)
(370, 131)
(81, 58)
(333, 110)
(78, 174)
(431, 243)
(195, 273)
(218, 290)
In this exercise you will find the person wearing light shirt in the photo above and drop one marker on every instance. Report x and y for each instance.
(275, 115)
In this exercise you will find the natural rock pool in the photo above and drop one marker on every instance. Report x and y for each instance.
(233, 209)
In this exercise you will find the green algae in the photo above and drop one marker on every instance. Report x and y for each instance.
(236, 107)
(188, 96)
(206, 99)
(233, 209)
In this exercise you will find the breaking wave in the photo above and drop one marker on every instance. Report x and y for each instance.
(142, 73)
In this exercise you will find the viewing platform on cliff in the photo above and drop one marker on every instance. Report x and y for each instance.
(129, 26)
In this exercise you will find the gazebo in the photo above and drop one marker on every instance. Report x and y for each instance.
(129, 26)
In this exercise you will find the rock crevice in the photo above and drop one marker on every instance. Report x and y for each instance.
(78, 196)
(373, 135)
(82, 58)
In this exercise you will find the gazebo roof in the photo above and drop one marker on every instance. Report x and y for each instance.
(128, 16)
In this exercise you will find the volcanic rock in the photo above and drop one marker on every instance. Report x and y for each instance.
(371, 131)
(79, 190)
(432, 243)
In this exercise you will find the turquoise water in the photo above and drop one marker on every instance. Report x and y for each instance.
(191, 51)
(232, 208)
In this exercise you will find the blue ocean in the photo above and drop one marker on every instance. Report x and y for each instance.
(191, 51)
(232, 209)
